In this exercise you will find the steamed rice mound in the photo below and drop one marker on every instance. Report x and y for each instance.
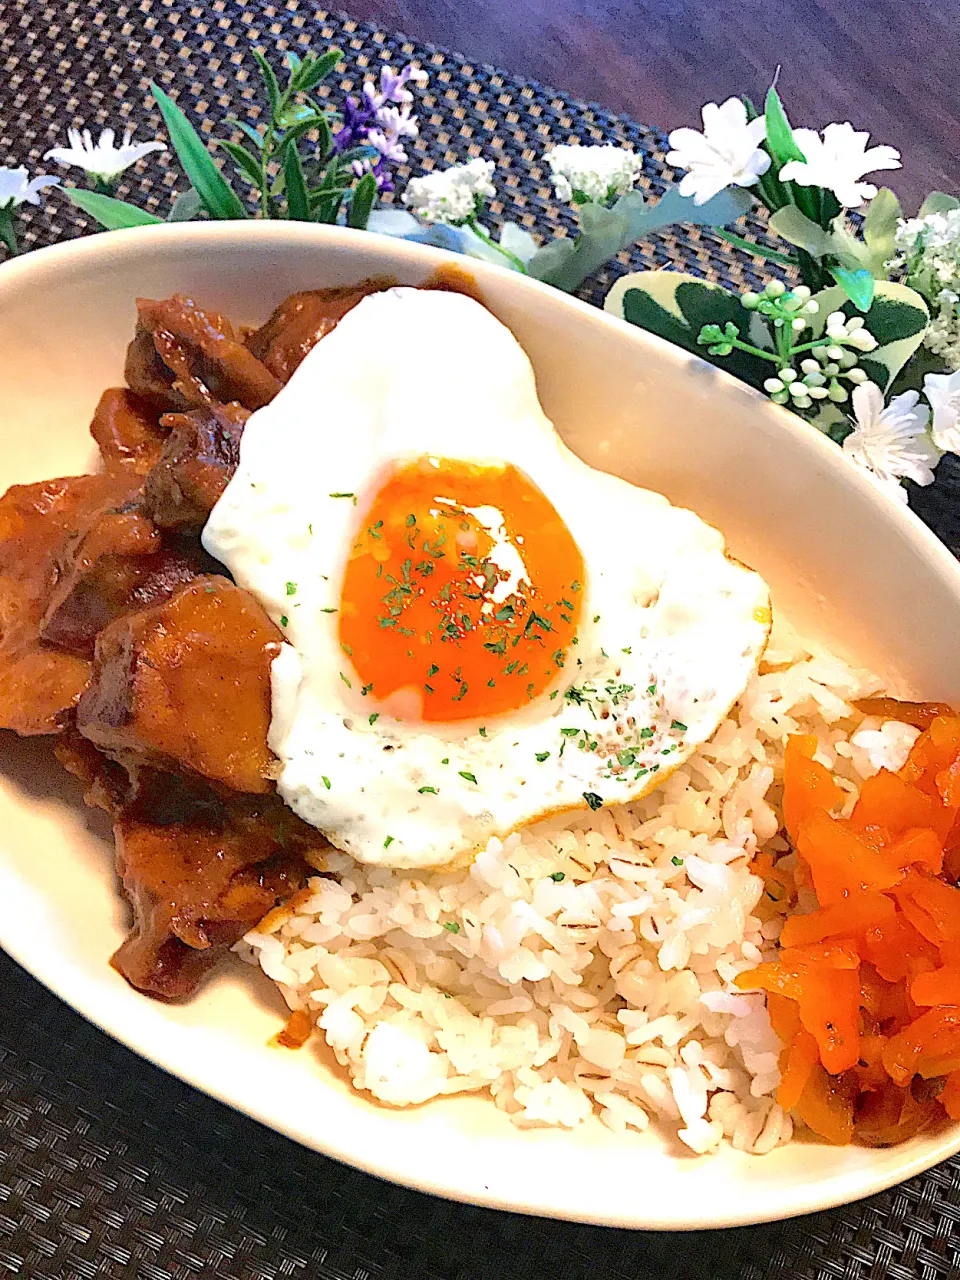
(584, 966)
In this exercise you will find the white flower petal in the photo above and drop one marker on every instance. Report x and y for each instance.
(725, 154)
(600, 173)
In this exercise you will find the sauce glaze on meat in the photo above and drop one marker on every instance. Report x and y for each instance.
(119, 634)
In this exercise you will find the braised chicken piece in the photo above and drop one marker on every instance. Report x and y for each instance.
(301, 321)
(185, 685)
(200, 867)
(200, 456)
(41, 525)
(183, 357)
(127, 431)
(121, 563)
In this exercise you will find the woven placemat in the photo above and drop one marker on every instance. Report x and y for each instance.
(109, 1168)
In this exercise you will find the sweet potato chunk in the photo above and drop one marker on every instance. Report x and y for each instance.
(40, 525)
(301, 321)
(183, 357)
(197, 462)
(185, 685)
(127, 431)
(199, 866)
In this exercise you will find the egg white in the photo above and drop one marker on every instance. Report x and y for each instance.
(411, 373)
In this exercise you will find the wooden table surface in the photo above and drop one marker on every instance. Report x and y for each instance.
(889, 66)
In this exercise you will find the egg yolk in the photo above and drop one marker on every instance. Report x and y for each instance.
(461, 596)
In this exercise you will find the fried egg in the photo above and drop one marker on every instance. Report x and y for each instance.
(480, 629)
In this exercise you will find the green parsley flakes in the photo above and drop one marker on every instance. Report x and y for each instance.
(345, 680)
(388, 842)
(373, 717)
(291, 588)
(468, 776)
(677, 862)
(542, 755)
(325, 780)
(451, 926)
(557, 876)
(284, 619)
(593, 800)
(351, 496)
(679, 726)
(427, 791)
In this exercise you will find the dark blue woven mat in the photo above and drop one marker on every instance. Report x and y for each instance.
(109, 1169)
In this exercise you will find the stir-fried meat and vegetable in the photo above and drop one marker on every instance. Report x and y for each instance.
(122, 636)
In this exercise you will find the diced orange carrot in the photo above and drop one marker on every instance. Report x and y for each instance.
(826, 1106)
(939, 986)
(931, 906)
(933, 752)
(850, 918)
(825, 982)
(869, 1070)
(919, 714)
(843, 861)
(887, 800)
(898, 949)
(929, 1046)
(891, 1115)
(801, 1056)
(784, 1017)
(807, 784)
(829, 1010)
(950, 1095)
(919, 847)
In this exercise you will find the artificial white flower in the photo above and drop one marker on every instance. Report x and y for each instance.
(838, 161)
(891, 443)
(727, 153)
(451, 195)
(596, 174)
(102, 159)
(943, 392)
(930, 251)
(17, 187)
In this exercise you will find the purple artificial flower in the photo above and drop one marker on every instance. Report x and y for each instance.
(380, 122)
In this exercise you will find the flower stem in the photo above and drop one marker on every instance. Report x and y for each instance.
(487, 238)
(7, 233)
(758, 250)
(754, 351)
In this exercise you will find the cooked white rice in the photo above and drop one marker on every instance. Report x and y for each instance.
(584, 966)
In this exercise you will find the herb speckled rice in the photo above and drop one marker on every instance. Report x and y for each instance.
(583, 966)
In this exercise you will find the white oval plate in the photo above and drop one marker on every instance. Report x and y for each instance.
(842, 559)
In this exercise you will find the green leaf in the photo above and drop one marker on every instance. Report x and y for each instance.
(857, 285)
(898, 318)
(298, 202)
(364, 198)
(566, 262)
(306, 125)
(879, 231)
(938, 202)
(676, 306)
(269, 79)
(219, 198)
(114, 215)
(780, 139)
(311, 72)
(720, 210)
(248, 164)
(255, 136)
(186, 207)
(802, 231)
(782, 146)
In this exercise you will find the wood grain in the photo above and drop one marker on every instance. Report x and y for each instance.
(889, 67)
